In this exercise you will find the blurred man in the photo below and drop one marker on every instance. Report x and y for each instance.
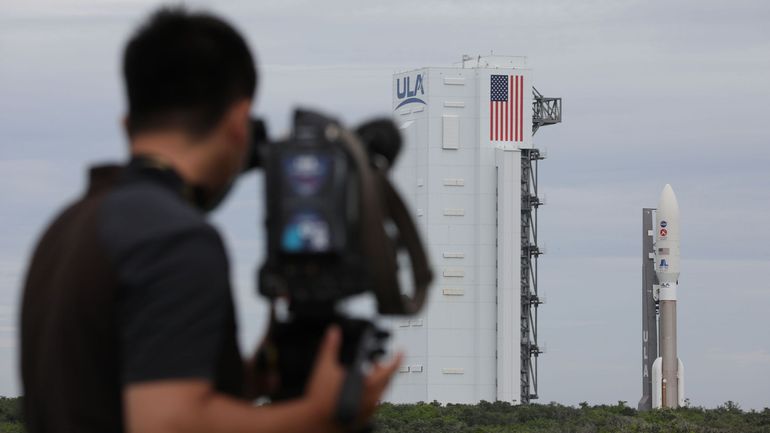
(127, 317)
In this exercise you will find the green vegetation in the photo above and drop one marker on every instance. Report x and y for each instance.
(10, 415)
(536, 418)
(554, 418)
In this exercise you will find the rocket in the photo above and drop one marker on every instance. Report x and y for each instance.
(667, 370)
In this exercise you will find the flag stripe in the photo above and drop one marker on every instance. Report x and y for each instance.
(496, 122)
(521, 110)
(496, 107)
(510, 97)
(515, 85)
(499, 120)
(518, 106)
(508, 109)
(505, 121)
(518, 95)
(516, 98)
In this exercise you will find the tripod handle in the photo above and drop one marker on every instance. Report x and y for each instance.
(349, 402)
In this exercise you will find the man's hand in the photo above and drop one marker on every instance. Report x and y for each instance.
(192, 405)
(325, 383)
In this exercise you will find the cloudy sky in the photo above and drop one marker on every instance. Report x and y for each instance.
(654, 92)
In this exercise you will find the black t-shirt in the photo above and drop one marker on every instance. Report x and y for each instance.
(128, 285)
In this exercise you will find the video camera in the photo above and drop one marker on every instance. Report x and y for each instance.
(335, 228)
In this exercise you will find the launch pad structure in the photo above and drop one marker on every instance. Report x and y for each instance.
(469, 172)
(649, 310)
(545, 111)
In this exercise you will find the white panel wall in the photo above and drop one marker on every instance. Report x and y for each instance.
(448, 173)
(508, 274)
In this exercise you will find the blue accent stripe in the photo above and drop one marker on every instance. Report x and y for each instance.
(409, 101)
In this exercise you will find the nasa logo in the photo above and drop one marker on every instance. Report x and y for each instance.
(407, 94)
(663, 232)
(664, 264)
(663, 223)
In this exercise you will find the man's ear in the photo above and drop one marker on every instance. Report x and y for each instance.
(237, 125)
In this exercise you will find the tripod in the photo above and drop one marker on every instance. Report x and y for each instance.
(291, 348)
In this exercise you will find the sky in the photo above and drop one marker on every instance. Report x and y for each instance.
(654, 92)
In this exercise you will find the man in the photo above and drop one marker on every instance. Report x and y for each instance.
(127, 316)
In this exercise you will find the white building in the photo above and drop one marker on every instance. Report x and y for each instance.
(468, 172)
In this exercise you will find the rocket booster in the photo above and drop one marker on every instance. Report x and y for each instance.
(668, 370)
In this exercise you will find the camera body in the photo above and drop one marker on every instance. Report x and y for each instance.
(335, 226)
(313, 217)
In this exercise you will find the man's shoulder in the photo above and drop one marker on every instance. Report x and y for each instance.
(139, 212)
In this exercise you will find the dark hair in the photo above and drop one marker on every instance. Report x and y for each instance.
(184, 70)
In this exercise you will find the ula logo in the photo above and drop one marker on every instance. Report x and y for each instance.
(408, 92)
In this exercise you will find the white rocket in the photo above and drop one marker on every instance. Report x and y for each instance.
(667, 370)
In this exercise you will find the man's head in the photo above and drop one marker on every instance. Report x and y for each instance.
(190, 75)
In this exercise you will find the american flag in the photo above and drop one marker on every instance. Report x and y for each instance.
(506, 108)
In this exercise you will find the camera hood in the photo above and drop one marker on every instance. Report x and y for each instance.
(382, 227)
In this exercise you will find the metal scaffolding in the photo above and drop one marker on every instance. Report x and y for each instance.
(546, 111)
(530, 251)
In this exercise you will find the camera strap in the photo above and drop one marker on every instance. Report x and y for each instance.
(379, 248)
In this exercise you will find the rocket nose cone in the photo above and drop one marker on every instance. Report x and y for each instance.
(668, 198)
(667, 191)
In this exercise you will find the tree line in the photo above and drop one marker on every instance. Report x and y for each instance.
(500, 417)
(11, 420)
